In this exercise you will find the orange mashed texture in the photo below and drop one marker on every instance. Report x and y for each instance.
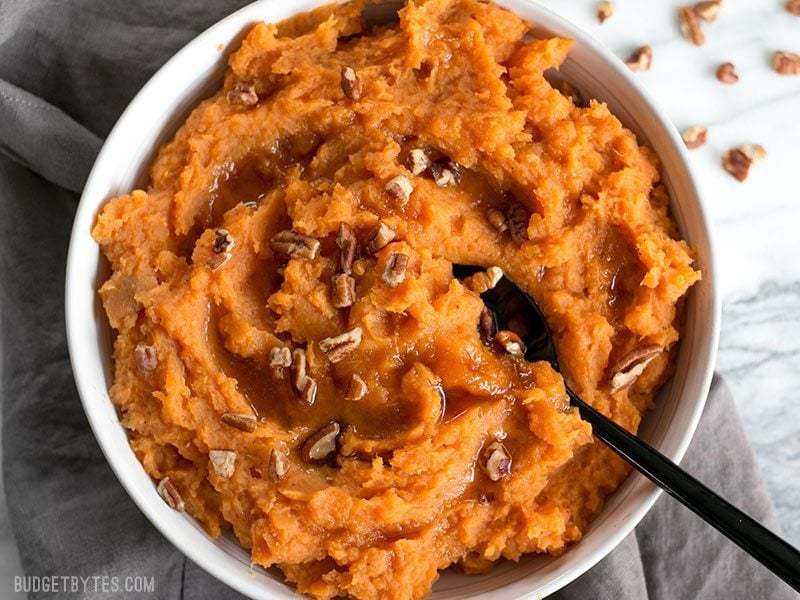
(405, 494)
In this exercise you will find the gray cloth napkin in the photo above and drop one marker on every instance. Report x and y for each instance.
(67, 69)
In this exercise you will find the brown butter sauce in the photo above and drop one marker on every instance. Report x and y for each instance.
(274, 399)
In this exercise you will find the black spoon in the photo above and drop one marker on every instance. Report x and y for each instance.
(508, 303)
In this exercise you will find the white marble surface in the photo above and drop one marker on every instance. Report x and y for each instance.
(757, 223)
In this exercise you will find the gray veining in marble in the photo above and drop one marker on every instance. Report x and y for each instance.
(760, 357)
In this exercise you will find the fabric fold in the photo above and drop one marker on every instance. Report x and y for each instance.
(45, 139)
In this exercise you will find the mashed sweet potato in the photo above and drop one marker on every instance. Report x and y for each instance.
(294, 358)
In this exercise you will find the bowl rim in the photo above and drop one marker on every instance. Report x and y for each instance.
(89, 205)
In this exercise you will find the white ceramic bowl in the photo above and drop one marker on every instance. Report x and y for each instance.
(152, 118)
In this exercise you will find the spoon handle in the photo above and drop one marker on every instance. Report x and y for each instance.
(774, 553)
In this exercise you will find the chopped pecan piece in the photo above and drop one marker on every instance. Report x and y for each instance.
(630, 366)
(641, 59)
(605, 10)
(690, 25)
(321, 444)
(487, 327)
(279, 461)
(786, 63)
(726, 73)
(418, 161)
(395, 272)
(308, 395)
(400, 187)
(299, 374)
(146, 358)
(446, 172)
(295, 244)
(223, 241)
(348, 245)
(305, 386)
(456, 170)
(496, 461)
(382, 236)
(708, 10)
(240, 421)
(483, 281)
(344, 290)
(169, 493)
(280, 357)
(497, 220)
(737, 161)
(357, 389)
(517, 218)
(243, 93)
(793, 7)
(694, 137)
(510, 342)
(351, 84)
(223, 462)
(337, 347)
